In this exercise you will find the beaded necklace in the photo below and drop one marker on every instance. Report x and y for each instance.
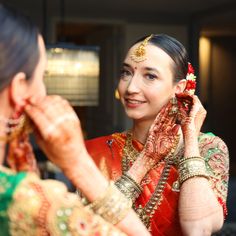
(129, 156)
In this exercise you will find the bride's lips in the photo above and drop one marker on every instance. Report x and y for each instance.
(133, 103)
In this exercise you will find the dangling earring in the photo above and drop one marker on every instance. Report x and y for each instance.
(117, 95)
(174, 109)
(12, 127)
(20, 155)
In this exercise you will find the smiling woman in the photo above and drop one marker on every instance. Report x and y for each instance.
(175, 175)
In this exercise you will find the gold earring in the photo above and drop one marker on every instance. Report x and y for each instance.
(117, 95)
(174, 109)
(14, 127)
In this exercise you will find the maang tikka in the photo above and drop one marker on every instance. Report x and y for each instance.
(140, 52)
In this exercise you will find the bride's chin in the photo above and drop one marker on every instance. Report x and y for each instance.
(134, 116)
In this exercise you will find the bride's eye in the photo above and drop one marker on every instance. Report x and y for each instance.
(124, 73)
(150, 76)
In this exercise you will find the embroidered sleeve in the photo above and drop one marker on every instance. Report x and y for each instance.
(216, 155)
(46, 208)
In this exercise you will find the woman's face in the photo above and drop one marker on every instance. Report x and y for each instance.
(146, 86)
(36, 85)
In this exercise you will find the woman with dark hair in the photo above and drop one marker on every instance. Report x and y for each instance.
(175, 175)
(29, 205)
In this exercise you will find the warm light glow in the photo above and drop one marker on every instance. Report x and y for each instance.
(74, 74)
(68, 63)
(204, 66)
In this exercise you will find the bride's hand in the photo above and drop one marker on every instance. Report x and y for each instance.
(191, 120)
(58, 131)
(162, 137)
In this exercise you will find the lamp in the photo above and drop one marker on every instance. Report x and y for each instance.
(73, 73)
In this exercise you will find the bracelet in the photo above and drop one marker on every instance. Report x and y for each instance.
(128, 187)
(113, 206)
(190, 167)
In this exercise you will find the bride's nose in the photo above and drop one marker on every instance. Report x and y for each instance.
(134, 84)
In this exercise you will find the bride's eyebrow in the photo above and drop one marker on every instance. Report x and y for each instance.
(126, 65)
(152, 69)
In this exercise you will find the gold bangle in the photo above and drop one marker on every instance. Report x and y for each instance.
(113, 206)
(183, 159)
(191, 167)
(128, 187)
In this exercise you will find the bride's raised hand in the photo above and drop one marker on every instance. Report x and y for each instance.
(162, 137)
(191, 114)
(161, 141)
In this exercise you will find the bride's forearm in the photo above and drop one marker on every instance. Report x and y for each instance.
(199, 211)
(191, 146)
(139, 169)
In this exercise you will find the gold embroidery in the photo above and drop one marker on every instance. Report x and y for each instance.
(46, 208)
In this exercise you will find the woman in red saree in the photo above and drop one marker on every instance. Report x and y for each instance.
(180, 174)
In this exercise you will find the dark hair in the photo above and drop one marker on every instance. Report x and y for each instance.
(175, 50)
(19, 50)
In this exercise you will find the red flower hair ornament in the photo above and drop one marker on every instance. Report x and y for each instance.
(191, 81)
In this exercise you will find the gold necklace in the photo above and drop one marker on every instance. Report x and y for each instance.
(129, 156)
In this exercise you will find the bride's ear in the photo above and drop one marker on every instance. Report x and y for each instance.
(180, 86)
(18, 90)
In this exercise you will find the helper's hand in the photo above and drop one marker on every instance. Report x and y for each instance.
(58, 132)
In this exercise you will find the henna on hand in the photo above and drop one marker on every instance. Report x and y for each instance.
(163, 135)
(191, 114)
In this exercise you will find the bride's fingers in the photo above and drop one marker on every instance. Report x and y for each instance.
(196, 107)
(175, 130)
(184, 96)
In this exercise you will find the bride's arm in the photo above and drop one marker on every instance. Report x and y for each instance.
(199, 209)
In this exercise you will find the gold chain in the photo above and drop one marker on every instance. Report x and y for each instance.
(129, 156)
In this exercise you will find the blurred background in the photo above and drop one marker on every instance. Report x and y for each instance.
(91, 37)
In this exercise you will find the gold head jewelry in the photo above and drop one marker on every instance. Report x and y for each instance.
(140, 52)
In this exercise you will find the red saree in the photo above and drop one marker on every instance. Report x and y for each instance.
(107, 152)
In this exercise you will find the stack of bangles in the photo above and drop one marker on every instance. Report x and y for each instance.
(190, 167)
(113, 206)
(128, 187)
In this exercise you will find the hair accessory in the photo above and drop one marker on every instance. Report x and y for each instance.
(140, 52)
(191, 81)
